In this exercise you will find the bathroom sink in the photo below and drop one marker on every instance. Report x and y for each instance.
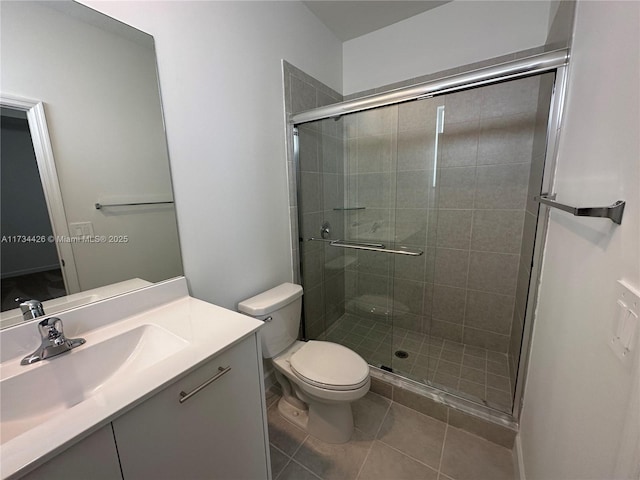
(33, 393)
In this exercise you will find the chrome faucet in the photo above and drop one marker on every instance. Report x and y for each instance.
(30, 308)
(53, 341)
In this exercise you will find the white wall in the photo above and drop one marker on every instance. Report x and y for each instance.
(221, 82)
(104, 117)
(454, 34)
(582, 407)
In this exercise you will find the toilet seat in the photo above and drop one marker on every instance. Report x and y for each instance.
(330, 366)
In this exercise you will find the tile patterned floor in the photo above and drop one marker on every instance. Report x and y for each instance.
(390, 442)
(475, 373)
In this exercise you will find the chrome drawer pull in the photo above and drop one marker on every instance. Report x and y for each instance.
(186, 396)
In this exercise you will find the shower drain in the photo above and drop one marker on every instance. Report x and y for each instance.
(401, 354)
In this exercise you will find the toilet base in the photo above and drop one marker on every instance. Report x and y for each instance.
(331, 423)
(295, 415)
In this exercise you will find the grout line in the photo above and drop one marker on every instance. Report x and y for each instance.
(444, 442)
(285, 465)
(306, 468)
(409, 456)
(375, 437)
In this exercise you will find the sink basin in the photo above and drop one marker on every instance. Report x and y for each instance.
(37, 391)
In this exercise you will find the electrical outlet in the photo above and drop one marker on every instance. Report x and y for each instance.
(625, 327)
(81, 229)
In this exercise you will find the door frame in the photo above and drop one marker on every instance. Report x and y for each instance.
(34, 110)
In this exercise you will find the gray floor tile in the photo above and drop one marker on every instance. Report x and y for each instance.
(295, 471)
(369, 412)
(444, 380)
(414, 434)
(385, 463)
(335, 462)
(283, 434)
(471, 388)
(498, 368)
(474, 362)
(278, 461)
(451, 356)
(467, 457)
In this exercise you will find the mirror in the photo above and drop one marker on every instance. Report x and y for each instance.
(81, 125)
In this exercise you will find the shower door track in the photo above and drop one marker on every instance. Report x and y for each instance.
(524, 67)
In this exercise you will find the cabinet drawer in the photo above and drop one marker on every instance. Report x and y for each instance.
(217, 432)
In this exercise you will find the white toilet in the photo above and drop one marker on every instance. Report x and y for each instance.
(319, 379)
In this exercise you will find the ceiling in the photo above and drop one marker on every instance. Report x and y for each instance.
(350, 19)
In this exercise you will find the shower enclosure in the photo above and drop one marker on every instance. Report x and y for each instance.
(417, 228)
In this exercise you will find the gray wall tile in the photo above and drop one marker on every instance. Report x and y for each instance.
(493, 272)
(510, 98)
(303, 95)
(456, 187)
(416, 149)
(489, 311)
(462, 106)
(506, 139)
(411, 226)
(497, 230)
(375, 153)
(446, 330)
(459, 144)
(417, 116)
(409, 267)
(449, 304)
(412, 189)
(454, 229)
(502, 186)
(485, 339)
(451, 267)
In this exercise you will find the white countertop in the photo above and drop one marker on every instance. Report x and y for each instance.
(207, 328)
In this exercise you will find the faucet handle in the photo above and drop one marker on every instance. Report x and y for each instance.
(51, 329)
(30, 308)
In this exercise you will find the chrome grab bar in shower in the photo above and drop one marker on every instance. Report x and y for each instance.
(373, 247)
(612, 212)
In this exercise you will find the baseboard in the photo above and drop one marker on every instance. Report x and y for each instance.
(518, 460)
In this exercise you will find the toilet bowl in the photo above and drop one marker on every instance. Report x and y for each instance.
(319, 379)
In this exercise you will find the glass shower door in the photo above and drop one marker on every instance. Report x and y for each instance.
(418, 125)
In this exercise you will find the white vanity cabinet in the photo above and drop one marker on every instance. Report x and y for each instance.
(95, 458)
(217, 433)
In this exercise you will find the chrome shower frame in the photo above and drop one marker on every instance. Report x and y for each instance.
(554, 61)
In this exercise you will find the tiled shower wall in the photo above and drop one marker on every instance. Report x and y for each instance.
(469, 225)
(322, 187)
(484, 176)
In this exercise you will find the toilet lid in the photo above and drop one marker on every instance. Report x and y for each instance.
(330, 366)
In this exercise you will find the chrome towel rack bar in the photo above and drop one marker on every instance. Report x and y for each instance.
(612, 212)
(372, 247)
(100, 206)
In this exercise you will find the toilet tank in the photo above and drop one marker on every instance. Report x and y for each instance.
(280, 309)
